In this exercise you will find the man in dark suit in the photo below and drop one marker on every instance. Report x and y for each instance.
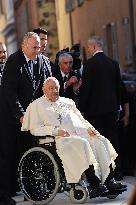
(69, 80)
(100, 92)
(42, 33)
(22, 81)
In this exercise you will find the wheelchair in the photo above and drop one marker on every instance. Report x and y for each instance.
(41, 175)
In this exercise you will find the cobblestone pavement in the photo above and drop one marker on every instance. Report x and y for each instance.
(122, 199)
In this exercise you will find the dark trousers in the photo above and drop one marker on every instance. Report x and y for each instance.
(124, 148)
(131, 144)
(8, 157)
(13, 144)
(92, 179)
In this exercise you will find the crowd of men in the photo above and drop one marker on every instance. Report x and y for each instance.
(96, 91)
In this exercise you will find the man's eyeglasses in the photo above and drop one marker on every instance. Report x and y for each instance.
(4, 52)
(67, 62)
(36, 47)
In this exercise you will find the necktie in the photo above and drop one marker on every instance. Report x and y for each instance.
(32, 68)
(33, 71)
(64, 78)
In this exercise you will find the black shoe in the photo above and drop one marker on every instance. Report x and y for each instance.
(25, 199)
(113, 185)
(97, 191)
(118, 176)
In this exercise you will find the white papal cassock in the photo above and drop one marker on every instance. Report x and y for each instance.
(78, 151)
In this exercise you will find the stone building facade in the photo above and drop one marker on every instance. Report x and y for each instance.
(115, 21)
(20, 16)
(7, 25)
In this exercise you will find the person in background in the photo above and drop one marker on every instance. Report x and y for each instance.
(22, 81)
(100, 92)
(75, 51)
(42, 33)
(3, 57)
(69, 80)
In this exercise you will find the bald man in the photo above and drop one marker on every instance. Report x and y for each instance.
(22, 81)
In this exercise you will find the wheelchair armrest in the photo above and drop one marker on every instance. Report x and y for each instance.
(45, 139)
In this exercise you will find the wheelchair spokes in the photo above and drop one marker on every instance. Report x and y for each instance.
(39, 176)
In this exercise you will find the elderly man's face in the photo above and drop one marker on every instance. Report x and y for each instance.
(32, 48)
(66, 64)
(91, 47)
(51, 90)
(3, 53)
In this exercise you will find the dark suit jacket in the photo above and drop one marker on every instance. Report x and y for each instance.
(17, 87)
(1, 71)
(100, 91)
(16, 92)
(68, 93)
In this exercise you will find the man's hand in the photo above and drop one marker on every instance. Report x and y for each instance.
(93, 132)
(125, 120)
(77, 85)
(71, 81)
(63, 133)
(21, 119)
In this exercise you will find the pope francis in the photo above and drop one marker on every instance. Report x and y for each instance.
(78, 144)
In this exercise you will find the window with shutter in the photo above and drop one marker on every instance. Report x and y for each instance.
(114, 41)
(127, 41)
(70, 5)
(111, 41)
(1, 7)
(80, 2)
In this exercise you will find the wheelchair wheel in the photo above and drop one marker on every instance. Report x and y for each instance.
(39, 176)
(78, 194)
(83, 182)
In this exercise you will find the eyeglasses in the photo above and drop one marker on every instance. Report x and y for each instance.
(4, 52)
(36, 47)
(67, 62)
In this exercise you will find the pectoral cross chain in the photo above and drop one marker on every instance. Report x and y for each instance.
(60, 118)
(34, 83)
